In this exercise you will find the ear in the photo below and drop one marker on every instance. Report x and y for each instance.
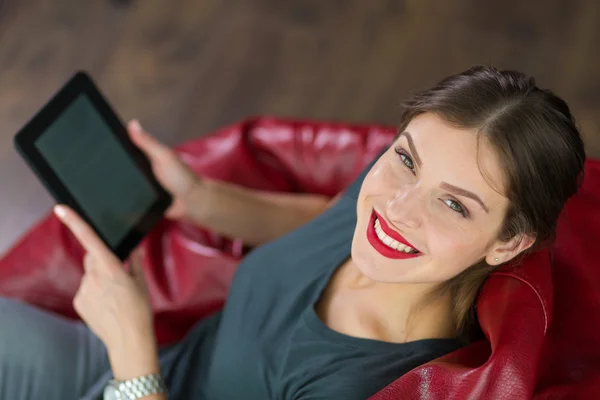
(502, 252)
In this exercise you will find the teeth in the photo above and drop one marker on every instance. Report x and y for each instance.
(392, 243)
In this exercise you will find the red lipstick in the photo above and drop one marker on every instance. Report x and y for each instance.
(381, 247)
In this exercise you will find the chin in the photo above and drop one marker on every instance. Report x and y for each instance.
(371, 265)
(377, 261)
(367, 266)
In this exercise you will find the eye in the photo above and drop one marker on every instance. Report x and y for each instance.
(406, 160)
(456, 206)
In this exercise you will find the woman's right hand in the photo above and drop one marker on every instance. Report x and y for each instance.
(172, 173)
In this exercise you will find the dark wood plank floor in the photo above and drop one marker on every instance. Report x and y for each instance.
(186, 67)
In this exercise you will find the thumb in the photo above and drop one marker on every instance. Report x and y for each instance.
(148, 144)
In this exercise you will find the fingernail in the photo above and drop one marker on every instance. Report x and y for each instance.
(135, 124)
(60, 211)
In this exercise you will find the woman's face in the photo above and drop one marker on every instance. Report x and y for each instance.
(427, 191)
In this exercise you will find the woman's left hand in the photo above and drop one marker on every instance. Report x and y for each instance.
(114, 303)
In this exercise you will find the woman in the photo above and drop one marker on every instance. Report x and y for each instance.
(339, 299)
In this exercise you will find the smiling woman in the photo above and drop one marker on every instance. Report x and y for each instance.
(336, 302)
(477, 177)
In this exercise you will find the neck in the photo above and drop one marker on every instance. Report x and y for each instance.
(400, 311)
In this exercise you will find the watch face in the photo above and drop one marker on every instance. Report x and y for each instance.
(111, 393)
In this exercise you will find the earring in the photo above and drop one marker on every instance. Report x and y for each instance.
(496, 259)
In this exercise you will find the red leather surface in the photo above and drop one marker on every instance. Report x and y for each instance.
(541, 321)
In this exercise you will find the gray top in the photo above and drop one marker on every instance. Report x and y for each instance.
(268, 342)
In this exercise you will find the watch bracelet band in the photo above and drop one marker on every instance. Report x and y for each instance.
(140, 387)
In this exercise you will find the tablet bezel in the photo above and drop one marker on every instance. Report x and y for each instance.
(24, 142)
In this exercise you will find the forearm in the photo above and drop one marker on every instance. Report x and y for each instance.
(138, 357)
(253, 216)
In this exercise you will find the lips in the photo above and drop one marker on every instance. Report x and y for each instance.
(382, 248)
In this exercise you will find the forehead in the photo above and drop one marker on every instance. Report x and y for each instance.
(458, 156)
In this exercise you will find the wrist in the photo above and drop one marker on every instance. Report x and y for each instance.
(197, 202)
(134, 358)
(145, 387)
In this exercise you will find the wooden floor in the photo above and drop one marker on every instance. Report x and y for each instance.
(186, 67)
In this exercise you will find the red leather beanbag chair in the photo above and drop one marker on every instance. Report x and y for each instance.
(541, 320)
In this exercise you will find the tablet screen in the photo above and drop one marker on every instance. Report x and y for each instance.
(101, 176)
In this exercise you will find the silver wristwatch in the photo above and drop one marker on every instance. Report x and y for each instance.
(136, 388)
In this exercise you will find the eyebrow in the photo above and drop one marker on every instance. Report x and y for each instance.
(411, 145)
(465, 193)
(451, 188)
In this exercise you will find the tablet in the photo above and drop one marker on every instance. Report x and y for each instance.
(82, 154)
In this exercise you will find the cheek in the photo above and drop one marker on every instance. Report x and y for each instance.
(461, 248)
(383, 178)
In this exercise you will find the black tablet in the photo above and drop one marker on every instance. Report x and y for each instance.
(80, 151)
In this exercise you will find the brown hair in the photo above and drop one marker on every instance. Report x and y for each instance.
(540, 150)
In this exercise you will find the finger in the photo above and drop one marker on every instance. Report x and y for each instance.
(137, 264)
(77, 303)
(106, 261)
(84, 285)
(146, 142)
(136, 258)
(132, 258)
(87, 295)
(137, 267)
(81, 294)
(88, 260)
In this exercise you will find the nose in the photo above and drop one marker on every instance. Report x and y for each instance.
(405, 207)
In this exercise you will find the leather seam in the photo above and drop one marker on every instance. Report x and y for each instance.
(535, 290)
